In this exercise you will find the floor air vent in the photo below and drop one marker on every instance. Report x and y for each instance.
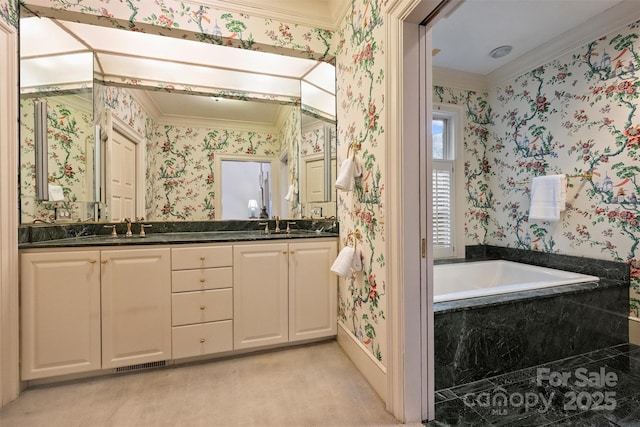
(141, 366)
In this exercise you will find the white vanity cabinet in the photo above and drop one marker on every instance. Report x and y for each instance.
(136, 306)
(202, 300)
(284, 292)
(60, 313)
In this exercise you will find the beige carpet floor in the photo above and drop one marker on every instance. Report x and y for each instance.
(313, 385)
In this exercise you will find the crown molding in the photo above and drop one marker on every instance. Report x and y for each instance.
(201, 122)
(612, 19)
(146, 103)
(330, 20)
(459, 79)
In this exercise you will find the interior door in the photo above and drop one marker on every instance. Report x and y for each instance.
(122, 168)
(314, 180)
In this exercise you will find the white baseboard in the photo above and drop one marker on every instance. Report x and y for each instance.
(634, 330)
(374, 372)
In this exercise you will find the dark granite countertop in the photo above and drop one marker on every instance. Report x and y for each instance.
(75, 235)
(176, 238)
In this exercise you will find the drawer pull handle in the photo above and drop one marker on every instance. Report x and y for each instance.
(92, 261)
(201, 258)
(202, 280)
(202, 340)
(202, 307)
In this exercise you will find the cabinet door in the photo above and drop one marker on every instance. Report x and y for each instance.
(260, 309)
(312, 290)
(136, 306)
(60, 313)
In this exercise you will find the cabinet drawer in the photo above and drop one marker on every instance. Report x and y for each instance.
(201, 279)
(201, 306)
(201, 257)
(204, 338)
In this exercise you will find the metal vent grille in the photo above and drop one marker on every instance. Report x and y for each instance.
(141, 366)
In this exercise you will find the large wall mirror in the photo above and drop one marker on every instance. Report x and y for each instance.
(170, 129)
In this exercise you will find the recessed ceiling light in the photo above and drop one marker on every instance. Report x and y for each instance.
(501, 51)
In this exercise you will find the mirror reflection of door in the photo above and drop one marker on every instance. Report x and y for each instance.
(122, 165)
(314, 182)
(284, 185)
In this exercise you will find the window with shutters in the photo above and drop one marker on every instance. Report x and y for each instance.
(448, 225)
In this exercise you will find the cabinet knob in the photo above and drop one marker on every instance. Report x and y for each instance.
(104, 261)
(293, 252)
(202, 307)
(202, 280)
(284, 252)
(92, 261)
(202, 340)
(201, 258)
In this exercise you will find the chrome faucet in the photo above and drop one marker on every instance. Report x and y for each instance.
(277, 219)
(289, 226)
(142, 227)
(114, 232)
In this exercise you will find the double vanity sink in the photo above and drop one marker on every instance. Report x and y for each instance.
(178, 238)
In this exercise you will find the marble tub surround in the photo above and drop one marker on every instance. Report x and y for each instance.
(49, 232)
(591, 266)
(484, 340)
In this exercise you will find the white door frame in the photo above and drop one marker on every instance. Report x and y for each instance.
(9, 305)
(410, 366)
(116, 124)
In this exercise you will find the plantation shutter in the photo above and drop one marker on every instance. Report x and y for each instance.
(442, 208)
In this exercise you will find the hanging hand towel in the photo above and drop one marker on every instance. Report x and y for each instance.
(291, 193)
(357, 260)
(351, 168)
(342, 265)
(345, 177)
(548, 197)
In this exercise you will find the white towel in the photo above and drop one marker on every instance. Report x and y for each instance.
(343, 263)
(56, 193)
(351, 168)
(357, 260)
(548, 197)
(291, 193)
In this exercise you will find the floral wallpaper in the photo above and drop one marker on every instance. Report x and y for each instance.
(360, 97)
(9, 13)
(186, 172)
(478, 118)
(576, 114)
(290, 140)
(70, 141)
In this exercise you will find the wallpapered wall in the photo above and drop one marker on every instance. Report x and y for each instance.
(575, 114)
(70, 135)
(360, 97)
(180, 171)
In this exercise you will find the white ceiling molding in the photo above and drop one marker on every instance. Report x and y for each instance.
(459, 79)
(325, 14)
(145, 101)
(612, 19)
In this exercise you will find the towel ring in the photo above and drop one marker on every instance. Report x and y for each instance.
(357, 146)
(355, 235)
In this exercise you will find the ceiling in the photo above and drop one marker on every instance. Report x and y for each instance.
(472, 30)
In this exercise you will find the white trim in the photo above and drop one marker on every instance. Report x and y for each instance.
(9, 304)
(457, 112)
(409, 362)
(622, 14)
(275, 178)
(459, 79)
(374, 372)
(116, 124)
